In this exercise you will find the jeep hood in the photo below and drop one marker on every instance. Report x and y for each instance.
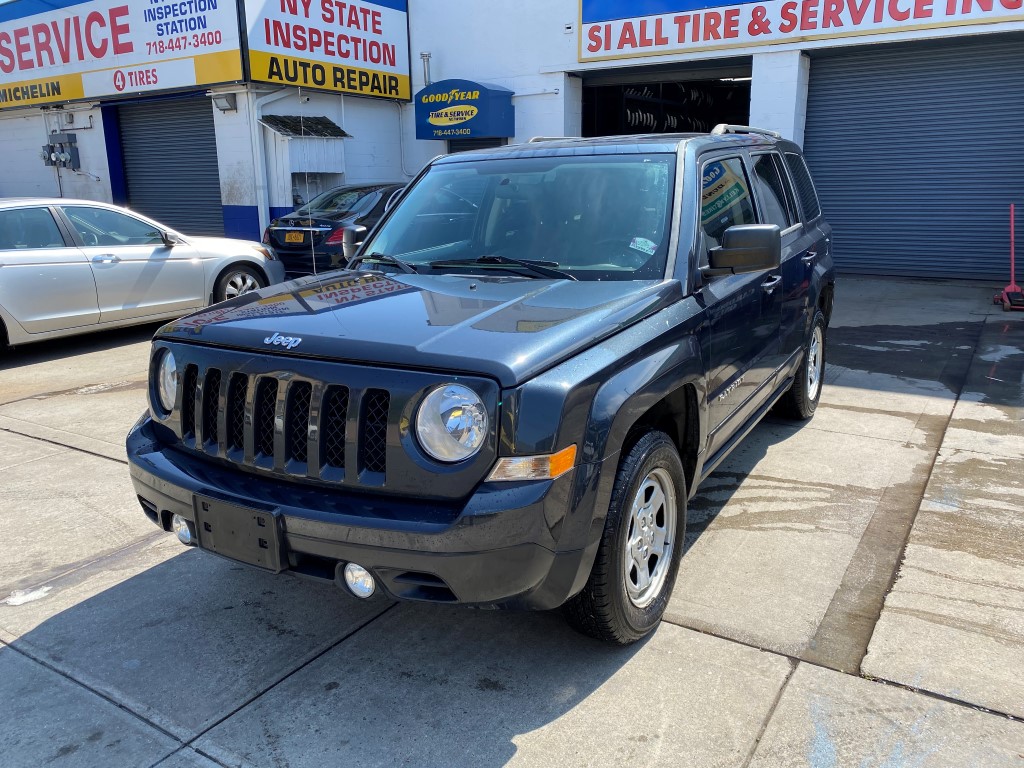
(508, 328)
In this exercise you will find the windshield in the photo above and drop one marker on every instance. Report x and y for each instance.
(354, 199)
(594, 217)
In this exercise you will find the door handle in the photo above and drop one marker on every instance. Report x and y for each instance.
(106, 258)
(809, 258)
(771, 283)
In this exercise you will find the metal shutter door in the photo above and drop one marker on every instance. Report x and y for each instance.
(170, 164)
(916, 153)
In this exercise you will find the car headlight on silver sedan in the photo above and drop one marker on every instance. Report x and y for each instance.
(451, 423)
(166, 381)
(265, 252)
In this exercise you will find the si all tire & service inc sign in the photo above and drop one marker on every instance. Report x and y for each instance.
(613, 29)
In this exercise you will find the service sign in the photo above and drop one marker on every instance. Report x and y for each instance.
(360, 48)
(60, 50)
(463, 109)
(615, 29)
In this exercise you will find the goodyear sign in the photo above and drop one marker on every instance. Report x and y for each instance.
(347, 47)
(462, 109)
(62, 50)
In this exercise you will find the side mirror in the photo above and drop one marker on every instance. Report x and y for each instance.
(169, 240)
(352, 238)
(746, 248)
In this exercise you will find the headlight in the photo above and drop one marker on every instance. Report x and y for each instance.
(451, 423)
(265, 252)
(166, 381)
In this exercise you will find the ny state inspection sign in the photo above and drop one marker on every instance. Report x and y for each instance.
(360, 48)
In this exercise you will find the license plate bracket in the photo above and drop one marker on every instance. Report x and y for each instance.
(294, 237)
(245, 534)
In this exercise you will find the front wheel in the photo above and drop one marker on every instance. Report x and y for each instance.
(635, 569)
(237, 280)
(801, 401)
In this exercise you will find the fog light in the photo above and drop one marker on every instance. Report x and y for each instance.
(359, 581)
(183, 529)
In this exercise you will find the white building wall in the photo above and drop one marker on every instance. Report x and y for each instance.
(374, 153)
(235, 162)
(522, 46)
(23, 133)
(778, 93)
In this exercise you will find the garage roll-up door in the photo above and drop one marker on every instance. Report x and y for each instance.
(170, 163)
(916, 152)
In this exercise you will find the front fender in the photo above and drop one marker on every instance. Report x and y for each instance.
(594, 400)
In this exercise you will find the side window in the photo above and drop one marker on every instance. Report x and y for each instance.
(804, 186)
(725, 198)
(776, 207)
(25, 228)
(100, 226)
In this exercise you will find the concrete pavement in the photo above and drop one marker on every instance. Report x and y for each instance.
(783, 644)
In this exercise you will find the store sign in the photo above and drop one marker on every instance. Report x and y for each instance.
(360, 48)
(614, 29)
(60, 50)
(462, 109)
(720, 189)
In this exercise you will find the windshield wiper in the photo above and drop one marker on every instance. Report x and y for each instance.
(383, 258)
(539, 268)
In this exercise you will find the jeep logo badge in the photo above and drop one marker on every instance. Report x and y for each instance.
(288, 342)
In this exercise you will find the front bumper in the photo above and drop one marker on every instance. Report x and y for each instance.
(275, 271)
(495, 548)
(303, 262)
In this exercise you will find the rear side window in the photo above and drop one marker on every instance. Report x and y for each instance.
(725, 198)
(804, 186)
(25, 228)
(776, 205)
(103, 227)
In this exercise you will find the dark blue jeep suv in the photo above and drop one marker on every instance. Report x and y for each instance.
(508, 398)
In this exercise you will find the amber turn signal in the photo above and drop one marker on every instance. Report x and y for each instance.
(545, 467)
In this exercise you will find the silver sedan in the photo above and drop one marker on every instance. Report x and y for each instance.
(73, 266)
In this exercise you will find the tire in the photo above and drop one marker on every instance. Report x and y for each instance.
(801, 400)
(612, 606)
(237, 280)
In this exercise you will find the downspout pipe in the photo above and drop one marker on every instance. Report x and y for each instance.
(259, 154)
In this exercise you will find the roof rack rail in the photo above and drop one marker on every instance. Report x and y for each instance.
(723, 128)
(538, 139)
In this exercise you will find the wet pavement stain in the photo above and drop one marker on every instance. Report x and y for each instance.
(939, 353)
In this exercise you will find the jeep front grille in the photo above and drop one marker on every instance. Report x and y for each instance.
(290, 426)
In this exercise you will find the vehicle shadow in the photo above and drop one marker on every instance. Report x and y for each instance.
(280, 670)
(38, 352)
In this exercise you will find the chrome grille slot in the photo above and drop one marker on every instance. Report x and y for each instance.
(300, 395)
(333, 427)
(264, 409)
(238, 388)
(190, 383)
(373, 453)
(211, 406)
